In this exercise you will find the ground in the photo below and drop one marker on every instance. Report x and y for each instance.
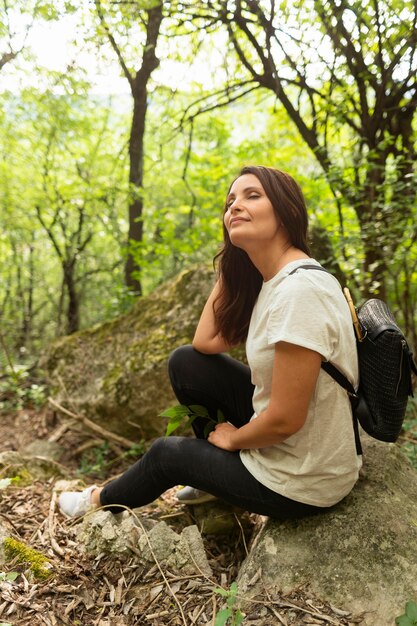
(108, 591)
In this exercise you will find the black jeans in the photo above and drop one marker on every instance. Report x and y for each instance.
(216, 382)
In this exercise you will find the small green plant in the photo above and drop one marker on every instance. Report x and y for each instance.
(95, 460)
(183, 416)
(17, 390)
(8, 576)
(410, 616)
(137, 450)
(231, 614)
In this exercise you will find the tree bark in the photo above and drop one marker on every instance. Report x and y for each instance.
(73, 306)
(139, 89)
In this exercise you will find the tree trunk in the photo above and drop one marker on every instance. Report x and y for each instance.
(73, 308)
(139, 88)
(136, 155)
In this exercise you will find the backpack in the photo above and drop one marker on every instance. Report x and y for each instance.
(385, 366)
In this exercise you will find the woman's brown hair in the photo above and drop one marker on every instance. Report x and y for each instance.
(240, 281)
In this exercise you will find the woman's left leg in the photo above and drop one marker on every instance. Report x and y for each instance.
(216, 381)
(181, 460)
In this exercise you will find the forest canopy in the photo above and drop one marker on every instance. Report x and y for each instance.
(122, 124)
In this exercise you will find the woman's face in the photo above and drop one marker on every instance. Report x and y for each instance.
(249, 217)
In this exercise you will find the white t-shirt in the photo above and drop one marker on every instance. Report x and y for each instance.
(319, 464)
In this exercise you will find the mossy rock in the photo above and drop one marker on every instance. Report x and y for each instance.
(24, 469)
(116, 373)
(360, 555)
(18, 552)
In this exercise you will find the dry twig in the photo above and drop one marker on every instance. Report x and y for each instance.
(126, 443)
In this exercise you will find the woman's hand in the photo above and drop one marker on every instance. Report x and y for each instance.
(222, 436)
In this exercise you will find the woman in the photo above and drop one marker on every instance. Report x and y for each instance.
(287, 448)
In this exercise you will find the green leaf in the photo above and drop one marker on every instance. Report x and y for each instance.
(239, 617)
(172, 425)
(222, 617)
(222, 592)
(199, 410)
(208, 428)
(179, 411)
(175, 414)
(189, 421)
(403, 620)
(411, 610)
(220, 417)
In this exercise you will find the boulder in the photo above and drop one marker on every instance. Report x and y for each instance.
(116, 373)
(360, 555)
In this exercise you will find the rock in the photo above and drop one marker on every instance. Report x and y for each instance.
(158, 544)
(46, 449)
(216, 518)
(190, 553)
(116, 373)
(184, 553)
(69, 485)
(103, 532)
(4, 534)
(28, 468)
(361, 555)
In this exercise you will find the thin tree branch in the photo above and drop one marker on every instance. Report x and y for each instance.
(113, 44)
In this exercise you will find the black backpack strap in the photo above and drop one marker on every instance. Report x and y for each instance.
(335, 373)
(310, 266)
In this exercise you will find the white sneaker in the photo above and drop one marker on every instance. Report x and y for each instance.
(76, 503)
(190, 495)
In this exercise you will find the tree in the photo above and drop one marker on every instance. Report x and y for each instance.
(62, 190)
(75, 190)
(345, 73)
(122, 16)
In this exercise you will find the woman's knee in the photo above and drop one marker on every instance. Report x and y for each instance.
(181, 362)
(165, 452)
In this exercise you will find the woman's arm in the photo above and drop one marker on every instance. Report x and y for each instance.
(294, 379)
(206, 337)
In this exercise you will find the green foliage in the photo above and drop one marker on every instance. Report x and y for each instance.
(231, 614)
(17, 390)
(410, 616)
(64, 170)
(96, 461)
(182, 416)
